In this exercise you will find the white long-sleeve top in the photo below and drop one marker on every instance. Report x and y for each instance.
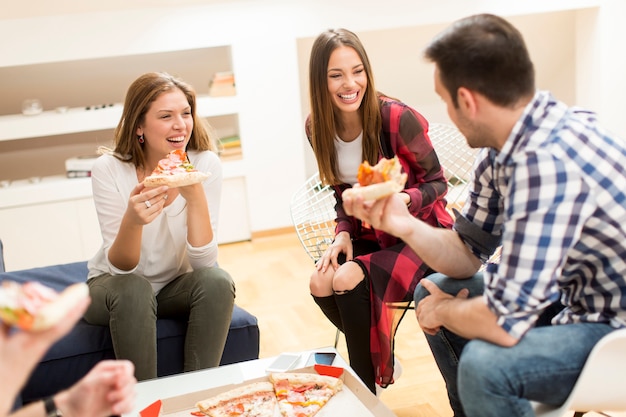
(165, 252)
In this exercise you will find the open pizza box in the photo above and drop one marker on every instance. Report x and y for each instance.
(353, 400)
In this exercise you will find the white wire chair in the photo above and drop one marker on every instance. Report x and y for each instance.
(457, 160)
(313, 215)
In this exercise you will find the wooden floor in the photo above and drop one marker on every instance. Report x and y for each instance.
(271, 274)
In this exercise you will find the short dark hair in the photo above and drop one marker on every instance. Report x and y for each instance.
(484, 53)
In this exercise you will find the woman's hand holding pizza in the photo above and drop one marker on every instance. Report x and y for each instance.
(192, 192)
(145, 204)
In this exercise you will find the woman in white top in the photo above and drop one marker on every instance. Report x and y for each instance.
(159, 250)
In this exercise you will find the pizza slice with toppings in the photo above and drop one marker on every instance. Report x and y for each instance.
(252, 400)
(175, 170)
(32, 306)
(378, 181)
(303, 394)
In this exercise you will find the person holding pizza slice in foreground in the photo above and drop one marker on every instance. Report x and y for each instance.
(107, 389)
(365, 269)
(159, 252)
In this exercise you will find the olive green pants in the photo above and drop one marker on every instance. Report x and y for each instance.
(127, 304)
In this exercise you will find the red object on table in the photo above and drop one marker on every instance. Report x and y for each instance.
(152, 410)
(328, 370)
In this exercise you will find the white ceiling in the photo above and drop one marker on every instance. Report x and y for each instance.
(38, 8)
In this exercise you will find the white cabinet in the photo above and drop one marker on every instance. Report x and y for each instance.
(49, 222)
(54, 221)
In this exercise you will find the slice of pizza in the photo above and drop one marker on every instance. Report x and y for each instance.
(303, 394)
(378, 181)
(175, 170)
(34, 307)
(252, 400)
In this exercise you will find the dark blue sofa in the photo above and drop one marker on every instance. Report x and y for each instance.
(74, 355)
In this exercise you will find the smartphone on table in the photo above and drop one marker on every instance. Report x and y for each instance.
(321, 358)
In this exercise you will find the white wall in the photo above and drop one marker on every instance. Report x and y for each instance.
(267, 37)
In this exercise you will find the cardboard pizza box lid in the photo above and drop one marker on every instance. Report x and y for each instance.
(353, 400)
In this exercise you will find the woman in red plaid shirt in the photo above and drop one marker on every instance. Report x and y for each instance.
(365, 269)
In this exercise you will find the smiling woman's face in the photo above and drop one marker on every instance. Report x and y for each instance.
(167, 125)
(347, 80)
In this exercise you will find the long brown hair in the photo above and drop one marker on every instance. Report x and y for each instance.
(323, 123)
(141, 94)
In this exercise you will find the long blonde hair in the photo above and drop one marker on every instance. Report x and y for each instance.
(323, 123)
(141, 94)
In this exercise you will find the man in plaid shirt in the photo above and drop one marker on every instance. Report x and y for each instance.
(549, 186)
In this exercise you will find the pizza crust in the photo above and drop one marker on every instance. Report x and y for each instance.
(176, 180)
(331, 382)
(257, 388)
(376, 191)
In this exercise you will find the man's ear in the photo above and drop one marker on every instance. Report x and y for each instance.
(467, 101)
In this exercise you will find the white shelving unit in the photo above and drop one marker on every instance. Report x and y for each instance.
(78, 119)
(51, 219)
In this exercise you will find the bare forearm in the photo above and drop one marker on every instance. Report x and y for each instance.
(437, 247)
(126, 249)
(199, 229)
(472, 319)
(19, 359)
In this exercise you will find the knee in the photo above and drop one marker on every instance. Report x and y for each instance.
(124, 292)
(348, 276)
(130, 287)
(451, 285)
(214, 280)
(321, 283)
(421, 292)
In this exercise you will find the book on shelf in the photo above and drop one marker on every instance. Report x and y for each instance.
(233, 153)
(230, 147)
(78, 174)
(230, 142)
(222, 84)
(79, 166)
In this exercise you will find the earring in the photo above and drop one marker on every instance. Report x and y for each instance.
(141, 139)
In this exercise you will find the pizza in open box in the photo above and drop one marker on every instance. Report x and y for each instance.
(252, 400)
(297, 395)
(303, 394)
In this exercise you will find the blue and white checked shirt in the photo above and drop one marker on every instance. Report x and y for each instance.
(556, 193)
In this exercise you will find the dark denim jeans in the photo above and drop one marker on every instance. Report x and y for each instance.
(487, 380)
